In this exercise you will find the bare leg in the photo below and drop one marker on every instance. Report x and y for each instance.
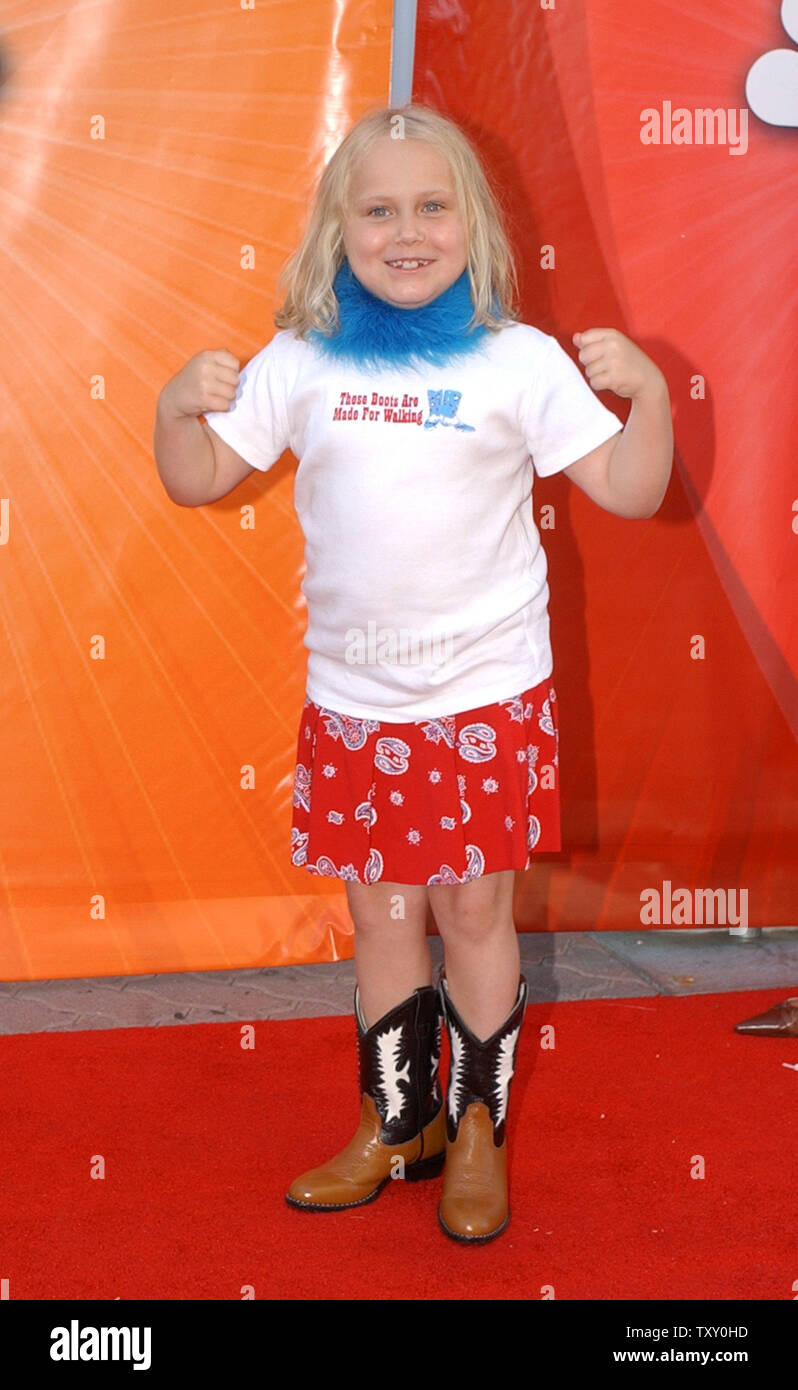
(483, 962)
(392, 957)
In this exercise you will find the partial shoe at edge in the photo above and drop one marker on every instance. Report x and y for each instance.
(779, 1022)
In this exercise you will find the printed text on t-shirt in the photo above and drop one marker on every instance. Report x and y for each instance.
(385, 409)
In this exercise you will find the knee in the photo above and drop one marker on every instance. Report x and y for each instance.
(389, 909)
(475, 911)
(469, 928)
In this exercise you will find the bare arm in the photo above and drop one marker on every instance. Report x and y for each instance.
(629, 473)
(184, 456)
(195, 465)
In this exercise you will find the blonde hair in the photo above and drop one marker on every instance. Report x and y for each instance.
(307, 280)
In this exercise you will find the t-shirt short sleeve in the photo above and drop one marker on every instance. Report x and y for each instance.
(562, 418)
(256, 423)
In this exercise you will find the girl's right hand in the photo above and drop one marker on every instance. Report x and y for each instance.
(208, 382)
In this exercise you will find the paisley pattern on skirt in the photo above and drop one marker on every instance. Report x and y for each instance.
(432, 801)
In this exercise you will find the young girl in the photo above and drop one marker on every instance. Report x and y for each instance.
(426, 770)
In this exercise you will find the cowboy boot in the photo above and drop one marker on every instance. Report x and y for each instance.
(474, 1205)
(401, 1110)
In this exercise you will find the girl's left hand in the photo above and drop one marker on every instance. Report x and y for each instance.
(612, 362)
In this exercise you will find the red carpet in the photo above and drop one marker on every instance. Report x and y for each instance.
(200, 1139)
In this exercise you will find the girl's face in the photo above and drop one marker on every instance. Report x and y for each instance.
(403, 231)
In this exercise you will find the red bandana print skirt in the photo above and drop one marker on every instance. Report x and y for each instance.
(432, 801)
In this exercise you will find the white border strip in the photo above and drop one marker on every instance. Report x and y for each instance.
(403, 47)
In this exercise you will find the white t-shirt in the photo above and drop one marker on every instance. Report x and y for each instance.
(425, 575)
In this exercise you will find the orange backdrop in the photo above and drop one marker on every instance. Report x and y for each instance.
(156, 167)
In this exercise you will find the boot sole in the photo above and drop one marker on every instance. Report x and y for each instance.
(414, 1172)
(473, 1240)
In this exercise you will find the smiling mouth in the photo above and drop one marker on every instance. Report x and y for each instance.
(408, 264)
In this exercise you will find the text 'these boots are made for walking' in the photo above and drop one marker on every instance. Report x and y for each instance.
(474, 1206)
(401, 1111)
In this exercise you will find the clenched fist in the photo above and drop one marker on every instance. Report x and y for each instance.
(208, 382)
(612, 362)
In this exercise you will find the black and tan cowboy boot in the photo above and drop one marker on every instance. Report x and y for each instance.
(401, 1110)
(474, 1206)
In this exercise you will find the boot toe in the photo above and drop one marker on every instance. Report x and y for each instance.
(303, 1189)
(320, 1191)
(461, 1221)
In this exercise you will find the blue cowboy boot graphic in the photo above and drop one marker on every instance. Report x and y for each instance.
(443, 410)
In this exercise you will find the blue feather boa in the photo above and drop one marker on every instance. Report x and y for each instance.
(374, 334)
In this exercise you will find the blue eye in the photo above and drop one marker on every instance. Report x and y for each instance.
(380, 208)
